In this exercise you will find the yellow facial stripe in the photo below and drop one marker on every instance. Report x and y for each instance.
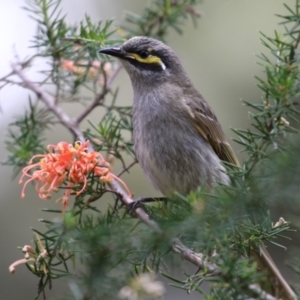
(151, 59)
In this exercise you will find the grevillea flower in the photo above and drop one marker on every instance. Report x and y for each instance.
(84, 68)
(38, 258)
(68, 164)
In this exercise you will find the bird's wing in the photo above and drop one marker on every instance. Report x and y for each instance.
(210, 129)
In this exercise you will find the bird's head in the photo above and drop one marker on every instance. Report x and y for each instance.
(147, 61)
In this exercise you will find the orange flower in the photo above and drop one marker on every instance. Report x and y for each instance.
(91, 70)
(69, 164)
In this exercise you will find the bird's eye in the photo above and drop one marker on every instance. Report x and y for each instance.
(144, 54)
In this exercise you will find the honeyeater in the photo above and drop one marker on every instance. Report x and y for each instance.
(178, 139)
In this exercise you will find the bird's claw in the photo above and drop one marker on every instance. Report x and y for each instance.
(134, 205)
(140, 201)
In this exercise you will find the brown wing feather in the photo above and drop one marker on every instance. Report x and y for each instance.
(210, 129)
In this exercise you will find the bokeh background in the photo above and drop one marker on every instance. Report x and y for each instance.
(219, 55)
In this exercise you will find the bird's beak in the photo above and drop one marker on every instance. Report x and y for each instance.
(117, 52)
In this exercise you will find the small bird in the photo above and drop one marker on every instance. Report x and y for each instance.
(178, 140)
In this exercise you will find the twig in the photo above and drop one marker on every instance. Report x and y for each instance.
(262, 294)
(190, 10)
(297, 41)
(100, 97)
(8, 81)
(275, 272)
(213, 269)
(127, 168)
(4, 78)
(177, 245)
(194, 258)
(111, 79)
(141, 214)
(49, 101)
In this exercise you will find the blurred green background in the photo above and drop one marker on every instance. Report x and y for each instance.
(219, 55)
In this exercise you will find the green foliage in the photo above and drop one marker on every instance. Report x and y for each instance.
(51, 26)
(272, 117)
(26, 137)
(269, 120)
(160, 16)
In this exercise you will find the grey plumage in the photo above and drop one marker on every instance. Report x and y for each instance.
(169, 148)
(171, 142)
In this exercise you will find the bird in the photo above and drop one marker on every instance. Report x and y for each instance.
(177, 137)
(178, 140)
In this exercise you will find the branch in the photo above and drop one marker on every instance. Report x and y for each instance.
(49, 101)
(127, 168)
(213, 269)
(194, 258)
(262, 294)
(100, 97)
(73, 127)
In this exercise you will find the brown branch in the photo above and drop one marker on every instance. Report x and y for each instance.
(100, 97)
(49, 101)
(194, 258)
(127, 168)
(297, 41)
(259, 292)
(4, 78)
(191, 11)
(73, 127)
(213, 269)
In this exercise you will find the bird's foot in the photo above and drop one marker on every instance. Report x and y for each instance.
(140, 201)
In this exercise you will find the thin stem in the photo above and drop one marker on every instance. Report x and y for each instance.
(99, 97)
(127, 168)
(49, 101)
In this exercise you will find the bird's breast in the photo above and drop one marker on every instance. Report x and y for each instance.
(170, 150)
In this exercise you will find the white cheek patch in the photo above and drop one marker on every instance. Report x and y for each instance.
(130, 56)
(163, 66)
